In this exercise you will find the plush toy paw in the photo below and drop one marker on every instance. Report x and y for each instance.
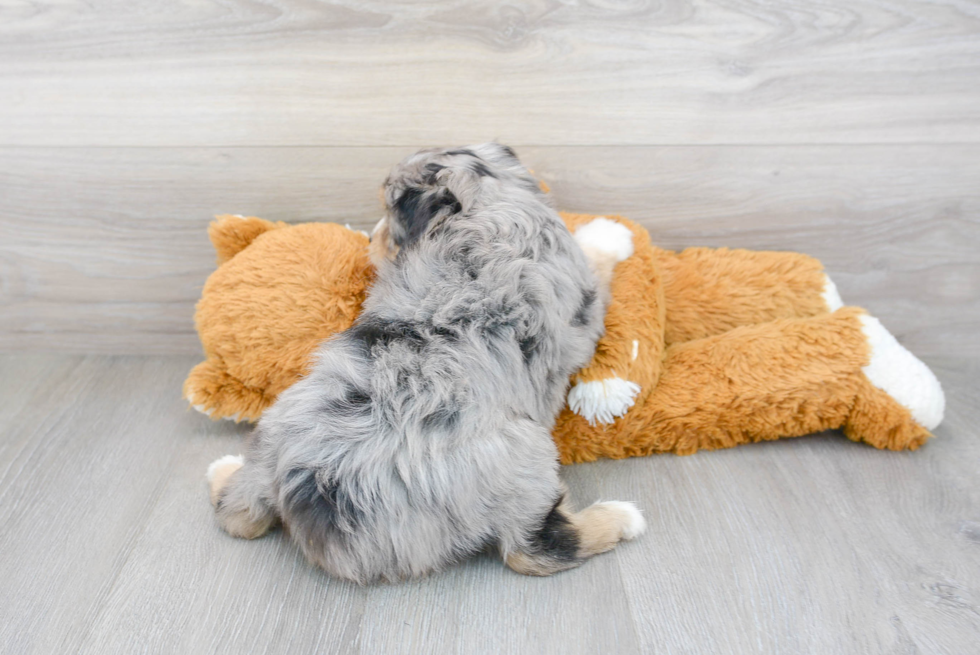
(218, 473)
(902, 375)
(606, 236)
(602, 400)
(211, 390)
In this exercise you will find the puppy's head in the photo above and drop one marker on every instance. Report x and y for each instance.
(434, 186)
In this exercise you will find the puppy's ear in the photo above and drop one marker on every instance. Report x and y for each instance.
(416, 209)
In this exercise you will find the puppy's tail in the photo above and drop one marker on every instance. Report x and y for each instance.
(564, 539)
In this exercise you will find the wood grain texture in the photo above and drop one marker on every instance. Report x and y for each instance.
(81, 462)
(810, 545)
(105, 249)
(291, 72)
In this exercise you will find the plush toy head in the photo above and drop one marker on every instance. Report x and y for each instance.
(280, 290)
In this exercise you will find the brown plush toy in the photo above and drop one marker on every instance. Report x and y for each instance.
(703, 349)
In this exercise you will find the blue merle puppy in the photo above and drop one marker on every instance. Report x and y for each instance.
(422, 433)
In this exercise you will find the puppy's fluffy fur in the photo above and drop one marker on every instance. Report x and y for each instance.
(422, 434)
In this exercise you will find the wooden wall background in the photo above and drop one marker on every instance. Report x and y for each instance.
(847, 130)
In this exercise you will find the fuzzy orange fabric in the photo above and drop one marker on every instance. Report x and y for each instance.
(710, 291)
(726, 346)
(783, 378)
(279, 291)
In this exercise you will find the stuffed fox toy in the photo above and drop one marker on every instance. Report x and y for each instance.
(703, 349)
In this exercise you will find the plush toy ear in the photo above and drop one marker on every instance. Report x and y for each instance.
(230, 234)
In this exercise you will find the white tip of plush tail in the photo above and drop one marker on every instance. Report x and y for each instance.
(902, 375)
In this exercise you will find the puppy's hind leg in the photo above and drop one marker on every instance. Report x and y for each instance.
(239, 493)
(564, 539)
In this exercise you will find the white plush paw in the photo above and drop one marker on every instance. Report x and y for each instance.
(831, 297)
(606, 236)
(602, 400)
(201, 408)
(902, 375)
(228, 464)
(635, 524)
(191, 397)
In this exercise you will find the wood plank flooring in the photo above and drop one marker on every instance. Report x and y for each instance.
(812, 545)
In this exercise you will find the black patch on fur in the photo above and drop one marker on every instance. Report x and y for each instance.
(431, 171)
(318, 508)
(582, 314)
(372, 333)
(353, 400)
(481, 169)
(461, 151)
(448, 199)
(508, 150)
(413, 218)
(446, 333)
(415, 209)
(556, 537)
(445, 419)
(529, 348)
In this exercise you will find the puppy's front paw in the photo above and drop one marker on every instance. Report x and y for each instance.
(606, 236)
(602, 400)
(218, 473)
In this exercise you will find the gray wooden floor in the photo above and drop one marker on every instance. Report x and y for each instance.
(847, 129)
(814, 545)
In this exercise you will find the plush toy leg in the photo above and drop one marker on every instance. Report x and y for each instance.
(709, 291)
(210, 390)
(781, 379)
(603, 391)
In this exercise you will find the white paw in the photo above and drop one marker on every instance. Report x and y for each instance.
(902, 375)
(635, 523)
(201, 408)
(606, 236)
(602, 400)
(234, 462)
(831, 297)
